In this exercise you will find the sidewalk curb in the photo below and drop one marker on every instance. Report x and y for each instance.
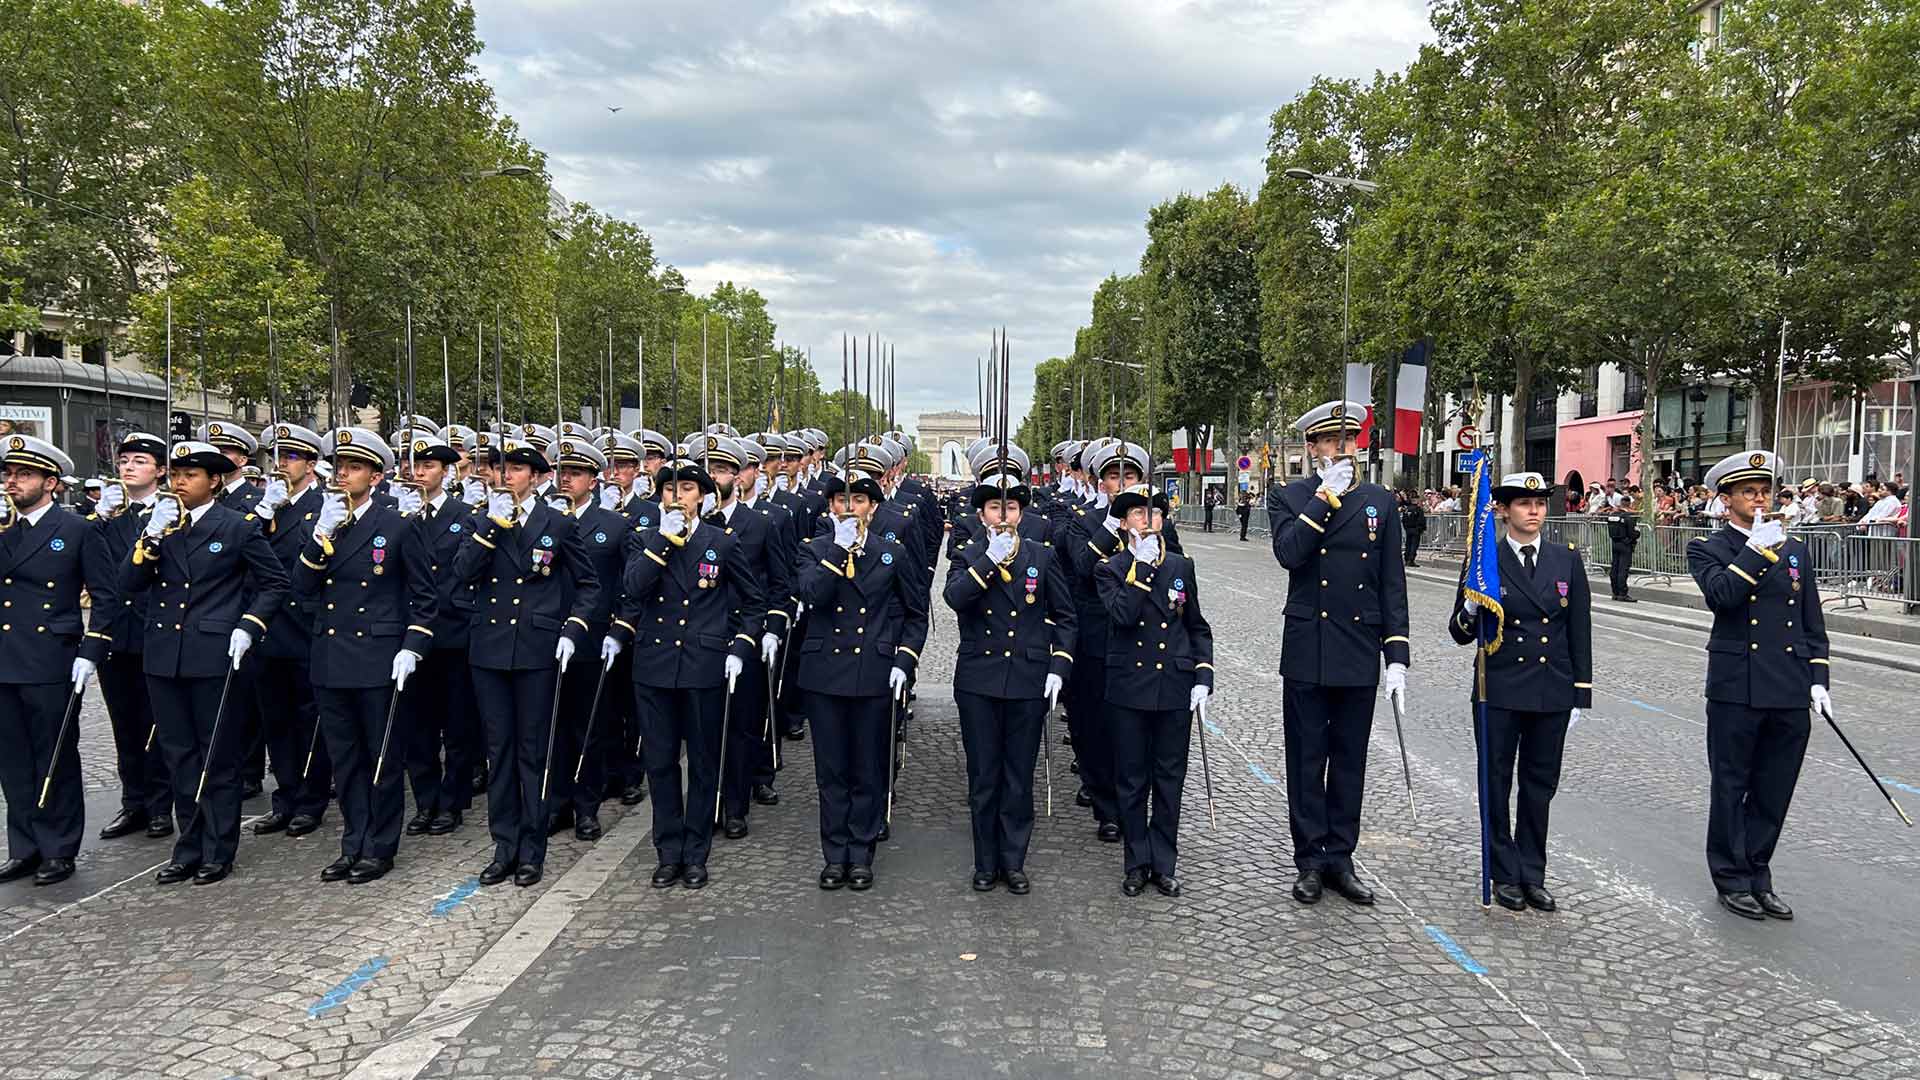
(1652, 601)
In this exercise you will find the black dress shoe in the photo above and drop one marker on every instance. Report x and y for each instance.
(528, 874)
(15, 869)
(588, 829)
(338, 869)
(270, 824)
(1743, 905)
(860, 878)
(765, 795)
(1108, 832)
(734, 828)
(1166, 883)
(55, 871)
(212, 872)
(1306, 887)
(559, 823)
(886, 834)
(369, 870)
(1074, 768)
(633, 795)
(249, 789)
(173, 874)
(1134, 883)
(794, 734)
(1768, 900)
(1627, 600)
(1509, 896)
(834, 875)
(480, 782)
(984, 881)
(695, 876)
(444, 822)
(419, 823)
(1017, 882)
(1538, 898)
(1344, 883)
(302, 824)
(496, 872)
(125, 823)
(159, 828)
(1081, 798)
(666, 874)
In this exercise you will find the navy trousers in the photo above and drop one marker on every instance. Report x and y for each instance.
(292, 719)
(443, 732)
(850, 765)
(185, 710)
(1754, 756)
(30, 715)
(1523, 753)
(136, 745)
(515, 707)
(1002, 740)
(682, 815)
(595, 736)
(1326, 730)
(1150, 770)
(1089, 720)
(749, 754)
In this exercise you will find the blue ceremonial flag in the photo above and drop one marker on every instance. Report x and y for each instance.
(1481, 580)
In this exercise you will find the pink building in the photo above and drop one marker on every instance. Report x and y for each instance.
(1600, 448)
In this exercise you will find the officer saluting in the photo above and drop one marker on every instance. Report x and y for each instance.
(1766, 664)
(1009, 670)
(46, 658)
(1346, 611)
(1536, 684)
(214, 580)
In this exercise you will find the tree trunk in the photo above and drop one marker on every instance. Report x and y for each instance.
(1516, 448)
(1652, 366)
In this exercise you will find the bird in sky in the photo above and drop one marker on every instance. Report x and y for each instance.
(615, 108)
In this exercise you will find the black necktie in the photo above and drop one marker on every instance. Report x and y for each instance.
(1526, 557)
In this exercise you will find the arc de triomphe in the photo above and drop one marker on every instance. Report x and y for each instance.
(944, 436)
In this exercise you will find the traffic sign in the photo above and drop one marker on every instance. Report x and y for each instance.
(1245, 463)
(1469, 437)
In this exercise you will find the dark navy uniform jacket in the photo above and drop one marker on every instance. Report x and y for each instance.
(640, 513)
(1545, 660)
(766, 535)
(892, 521)
(1034, 526)
(521, 577)
(374, 595)
(687, 607)
(1159, 645)
(927, 513)
(444, 532)
(206, 579)
(123, 618)
(1017, 623)
(1346, 587)
(1768, 648)
(42, 568)
(604, 534)
(861, 627)
(242, 498)
(290, 637)
(803, 513)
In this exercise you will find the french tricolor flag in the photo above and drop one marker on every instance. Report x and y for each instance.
(1410, 397)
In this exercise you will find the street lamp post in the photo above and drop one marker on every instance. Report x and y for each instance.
(1364, 187)
(1697, 393)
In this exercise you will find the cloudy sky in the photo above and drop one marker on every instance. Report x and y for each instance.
(923, 171)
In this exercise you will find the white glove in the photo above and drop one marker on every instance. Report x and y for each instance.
(897, 682)
(1000, 547)
(1197, 701)
(560, 503)
(473, 492)
(238, 643)
(404, 662)
(82, 671)
(759, 485)
(333, 511)
(165, 513)
(408, 500)
(1395, 682)
(733, 669)
(845, 531)
(609, 651)
(672, 523)
(1111, 524)
(1767, 534)
(769, 646)
(707, 503)
(111, 500)
(1575, 717)
(264, 512)
(1147, 548)
(1822, 701)
(780, 482)
(1100, 499)
(563, 652)
(1469, 606)
(500, 506)
(1051, 691)
(1337, 477)
(609, 497)
(448, 482)
(274, 497)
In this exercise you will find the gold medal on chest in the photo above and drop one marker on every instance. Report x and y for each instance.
(1031, 598)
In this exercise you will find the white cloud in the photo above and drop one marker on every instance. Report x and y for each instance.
(922, 171)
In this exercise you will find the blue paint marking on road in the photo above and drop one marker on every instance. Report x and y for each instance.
(338, 996)
(1261, 774)
(445, 905)
(1908, 788)
(1454, 951)
(1214, 728)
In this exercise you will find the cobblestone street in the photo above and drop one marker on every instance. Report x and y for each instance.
(595, 974)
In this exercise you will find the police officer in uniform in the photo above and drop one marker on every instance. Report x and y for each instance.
(1009, 670)
(1346, 612)
(525, 630)
(1156, 687)
(46, 657)
(1623, 530)
(862, 643)
(691, 606)
(302, 770)
(145, 794)
(216, 584)
(1537, 682)
(1767, 666)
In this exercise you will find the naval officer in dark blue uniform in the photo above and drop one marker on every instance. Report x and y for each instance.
(1537, 682)
(1767, 666)
(1346, 613)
